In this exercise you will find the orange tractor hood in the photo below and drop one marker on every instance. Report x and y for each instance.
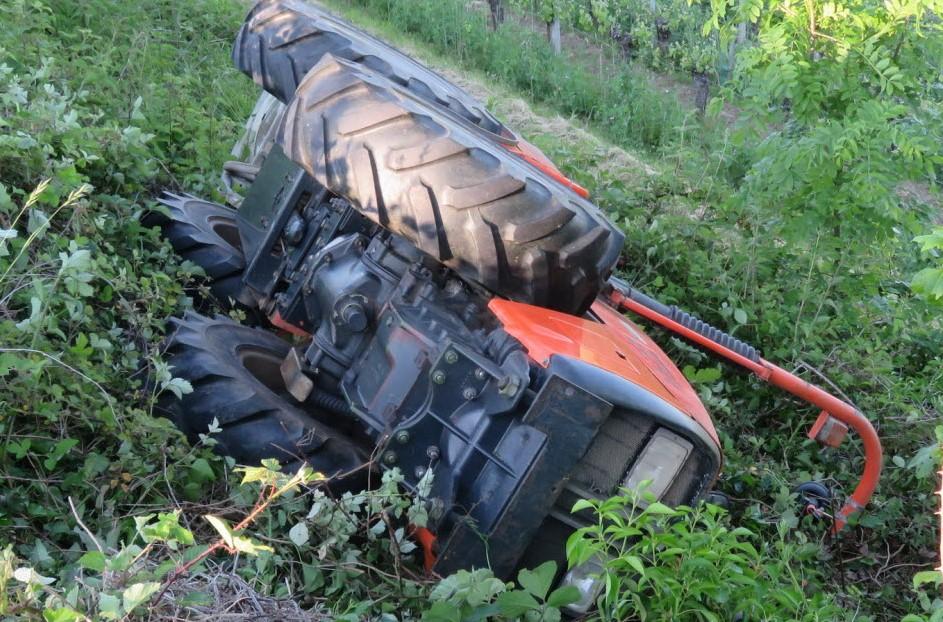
(612, 343)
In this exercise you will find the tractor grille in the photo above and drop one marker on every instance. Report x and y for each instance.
(619, 444)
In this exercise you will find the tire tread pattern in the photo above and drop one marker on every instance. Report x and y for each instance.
(425, 175)
(256, 421)
(281, 40)
(193, 229)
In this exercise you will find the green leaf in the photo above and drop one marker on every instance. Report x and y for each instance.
(442, 612)
(563, 596)
(247, 546)
(195, 599)
(58, 452)
(740, 316)
(137, 594)
(93, 560)
(928, 576)
(63, 614)
(109, 606)
(659, 509)
(929, 282)
(299, 534)
(516, 603)
(538, 581)
(582, 504)
(222, 528)
(202, 470)
(707, 375)
(636, 563)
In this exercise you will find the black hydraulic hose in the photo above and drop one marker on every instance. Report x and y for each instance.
(687, 320)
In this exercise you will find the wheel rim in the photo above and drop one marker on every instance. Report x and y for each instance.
(227, 230)
(264, 365)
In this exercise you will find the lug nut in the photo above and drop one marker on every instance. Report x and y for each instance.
(438, 377)
(480, 374)
(419, 472)
(389, 457)
(451, 357)
(402, 437)
(469, 393)
(354, 316)
(432, 452)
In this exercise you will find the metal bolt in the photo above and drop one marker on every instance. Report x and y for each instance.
(438, 377)
(451, 357)
(354, 316)
(420, 471)
(480, 374)
(389, 320)
(402, 437)
(508, 386)
(469, 393)
(432, 452)
(569, 392)
(294, 230)
(389, 457)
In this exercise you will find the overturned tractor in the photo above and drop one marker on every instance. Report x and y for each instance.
(425, 291)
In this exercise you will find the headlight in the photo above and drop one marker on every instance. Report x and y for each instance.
(660, 462)
(588, 580)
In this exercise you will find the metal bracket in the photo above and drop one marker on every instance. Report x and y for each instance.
(297, 382)
(828, 430)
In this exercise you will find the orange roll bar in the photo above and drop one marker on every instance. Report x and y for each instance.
(824, 431)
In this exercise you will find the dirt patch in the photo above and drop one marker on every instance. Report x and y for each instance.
(226, 597)
(919, 193)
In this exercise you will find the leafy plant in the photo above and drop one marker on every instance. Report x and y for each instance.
(478, 595)
(661, 563)
(929, 281)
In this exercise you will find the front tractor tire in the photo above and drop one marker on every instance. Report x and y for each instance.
(207, 234)
(237, 383)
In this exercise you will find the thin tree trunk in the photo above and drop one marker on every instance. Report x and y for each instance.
(702, 91)
(553, 35)
(497, 13)
(736, 44)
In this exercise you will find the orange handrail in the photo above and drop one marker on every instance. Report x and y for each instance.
(832, 407)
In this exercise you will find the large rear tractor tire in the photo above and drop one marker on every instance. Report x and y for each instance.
(282, 40)
(236, 380)
(206, 234)
(428, 175)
